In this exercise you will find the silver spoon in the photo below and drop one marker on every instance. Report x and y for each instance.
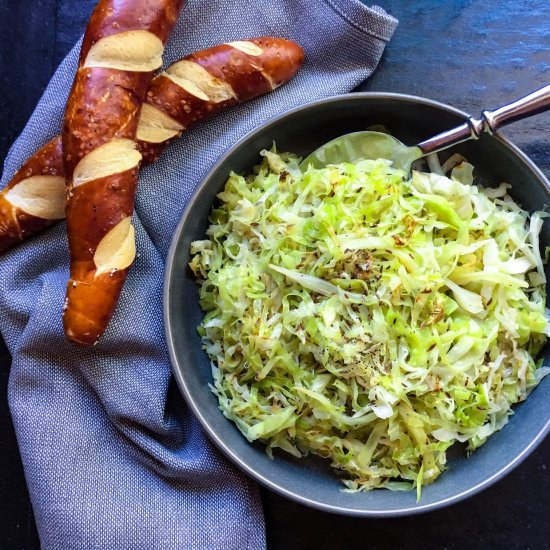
(372, 145)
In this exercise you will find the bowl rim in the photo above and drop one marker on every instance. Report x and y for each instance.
(188, 394)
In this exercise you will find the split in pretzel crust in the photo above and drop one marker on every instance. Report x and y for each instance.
(197, 81)
(155, 126)
(139, 51)
(117, 249)
(110, 158)
(40, 196)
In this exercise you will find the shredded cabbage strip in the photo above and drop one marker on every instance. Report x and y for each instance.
(368, 317)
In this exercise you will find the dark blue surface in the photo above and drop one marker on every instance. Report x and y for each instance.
(470, 54)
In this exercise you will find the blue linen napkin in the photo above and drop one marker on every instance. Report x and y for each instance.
(112, 456)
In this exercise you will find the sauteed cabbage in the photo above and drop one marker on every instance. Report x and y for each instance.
(368, 317)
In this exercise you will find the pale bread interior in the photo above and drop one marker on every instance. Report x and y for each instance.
(139, 51)
(247, 47)
(113, 157)
(196, 80)
(117, 249)
(155, 126)
(40, 196)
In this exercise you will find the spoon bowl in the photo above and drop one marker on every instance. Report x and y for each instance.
(363, 145)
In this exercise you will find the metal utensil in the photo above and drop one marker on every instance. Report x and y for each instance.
(371, 145)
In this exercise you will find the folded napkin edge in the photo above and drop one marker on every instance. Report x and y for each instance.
(371, 20)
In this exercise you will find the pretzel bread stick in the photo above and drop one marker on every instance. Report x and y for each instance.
(207, 82)
(122, 47)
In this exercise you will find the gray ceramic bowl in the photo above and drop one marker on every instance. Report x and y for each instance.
(311, 481)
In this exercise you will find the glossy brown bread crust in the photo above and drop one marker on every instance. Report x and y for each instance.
(115, 16)
(85, 130)
(103, 106)
(249, 76)
(16, 224)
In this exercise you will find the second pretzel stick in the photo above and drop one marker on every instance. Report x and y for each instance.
(34, 199)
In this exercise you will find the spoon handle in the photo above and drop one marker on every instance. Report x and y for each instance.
(490, 121)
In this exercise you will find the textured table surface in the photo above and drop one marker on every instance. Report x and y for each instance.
(470, 54)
